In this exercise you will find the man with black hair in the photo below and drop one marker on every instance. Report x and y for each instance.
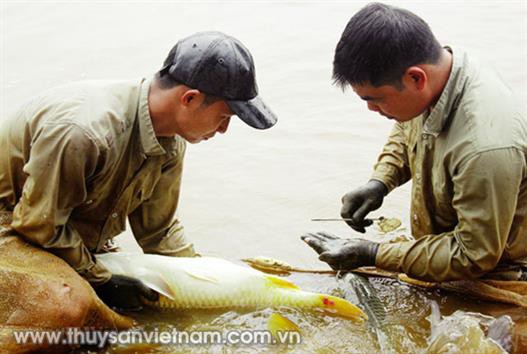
(459, 135)
(79, 160)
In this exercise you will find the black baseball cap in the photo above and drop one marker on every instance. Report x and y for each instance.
(220, 65)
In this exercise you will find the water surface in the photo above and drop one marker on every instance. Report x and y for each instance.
(251, 192)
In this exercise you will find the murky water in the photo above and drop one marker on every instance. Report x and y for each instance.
(249, 192)
(404, 330)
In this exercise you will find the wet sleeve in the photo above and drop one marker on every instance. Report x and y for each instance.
(154, 224)
(62, 158)
(486, 189)
(392, 167)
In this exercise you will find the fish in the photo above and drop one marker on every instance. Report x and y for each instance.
(468, 332)
(361, 291)
(358, 288)
(186, 283)
(278, 324)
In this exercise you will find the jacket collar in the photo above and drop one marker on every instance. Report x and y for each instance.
(448, 101)
(149, 142)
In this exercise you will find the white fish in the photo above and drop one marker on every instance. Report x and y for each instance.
(462, 332)
(214, 283)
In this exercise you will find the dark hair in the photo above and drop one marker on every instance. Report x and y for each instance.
(379, 43)
(167, 81)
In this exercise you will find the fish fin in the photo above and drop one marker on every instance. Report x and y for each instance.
(278, 323)
(158, 283)
(124, 263)
(336, 306)
(281, 283)
(204, 277)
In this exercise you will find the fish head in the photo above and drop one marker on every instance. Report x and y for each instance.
(335, 306)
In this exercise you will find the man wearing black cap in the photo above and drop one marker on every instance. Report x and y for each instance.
(78, 160)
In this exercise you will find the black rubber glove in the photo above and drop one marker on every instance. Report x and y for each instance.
(124, 293)
(359, 202)
(340, 253)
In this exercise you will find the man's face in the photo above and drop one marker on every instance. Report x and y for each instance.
(205, 121)
(392, 102)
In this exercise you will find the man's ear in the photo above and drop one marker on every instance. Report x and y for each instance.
(191, 98)
(415, 77)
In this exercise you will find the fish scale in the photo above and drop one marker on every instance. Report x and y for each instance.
(214, 283)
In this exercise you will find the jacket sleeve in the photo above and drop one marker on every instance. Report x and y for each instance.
(153, 222)
(486, 189)
(392, 167)
(62, 158)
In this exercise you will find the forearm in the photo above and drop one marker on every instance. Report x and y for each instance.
(435, 258)
(392, 164)
(62, 158)
(172, 242)
(154, 224)
(83, 262)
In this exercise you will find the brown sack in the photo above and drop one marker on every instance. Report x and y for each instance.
(40, 291)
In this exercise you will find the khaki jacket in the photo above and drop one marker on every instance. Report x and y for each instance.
(467, 161)
(78, 160)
